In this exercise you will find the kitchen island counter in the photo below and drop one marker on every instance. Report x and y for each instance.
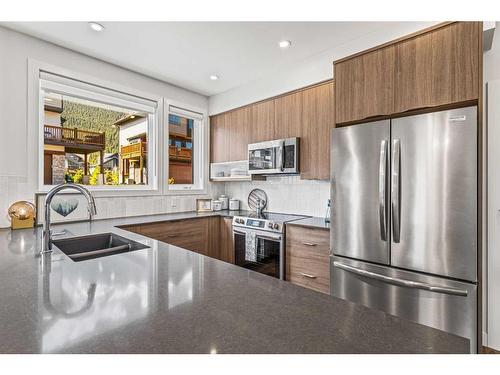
(165, 299)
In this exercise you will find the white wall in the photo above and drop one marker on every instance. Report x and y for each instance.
(491, 259)
(18, 153)
(286, 194)
(315, 69)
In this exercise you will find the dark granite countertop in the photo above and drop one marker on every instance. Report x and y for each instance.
(311, 222)
(169, 300)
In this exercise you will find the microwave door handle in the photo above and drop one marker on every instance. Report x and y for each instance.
(281, 157)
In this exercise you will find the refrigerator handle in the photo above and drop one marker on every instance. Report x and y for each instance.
(401, 282)
(396, 190)
(382, 189)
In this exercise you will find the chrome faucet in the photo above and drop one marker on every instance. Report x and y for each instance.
(47, 234)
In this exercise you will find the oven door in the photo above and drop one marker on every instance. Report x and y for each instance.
(270, 252)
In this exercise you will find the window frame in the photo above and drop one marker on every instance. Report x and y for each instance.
(200, 149)
(154, 126)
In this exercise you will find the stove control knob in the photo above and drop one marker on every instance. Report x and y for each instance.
(242, 221)
(270, 225)
(276, 226)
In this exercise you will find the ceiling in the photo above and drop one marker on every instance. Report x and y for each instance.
(187, 53)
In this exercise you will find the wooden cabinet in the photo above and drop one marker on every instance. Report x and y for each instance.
(239, 133)
(226, 244)
(438, 68)
(211, 236)
(219, 138)
(190, 234)
(364, 86)
(317, 121)
(262, 122)
(307, 114)
(307, 257)
(435, 68)
(288, 115)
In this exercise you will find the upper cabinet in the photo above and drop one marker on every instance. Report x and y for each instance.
(317, 122)
(435, 68)
(262, 121)
(288, 115)
(307, 114)
(219, 138)
(239, 133)
(364, 86)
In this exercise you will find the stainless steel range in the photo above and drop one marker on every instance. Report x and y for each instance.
(259, 242)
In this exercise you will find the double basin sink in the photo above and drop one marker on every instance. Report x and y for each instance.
(96, 246)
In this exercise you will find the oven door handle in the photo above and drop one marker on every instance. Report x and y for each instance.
(264, 237)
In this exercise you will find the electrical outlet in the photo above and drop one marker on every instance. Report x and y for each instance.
(173, 203)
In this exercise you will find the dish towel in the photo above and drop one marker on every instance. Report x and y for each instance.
(250, 247)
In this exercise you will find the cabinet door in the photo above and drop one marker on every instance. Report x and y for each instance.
(364, 86)
(437, 68)
(219, 138)
(239, 133)
(226, 240)
(455, 63)
(288, 116)
(317, 121)
(262, 122)
(214, 239)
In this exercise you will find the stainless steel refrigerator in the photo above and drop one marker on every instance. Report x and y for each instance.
(404, 218)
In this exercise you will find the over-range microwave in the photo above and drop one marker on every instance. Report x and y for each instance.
(280, 156)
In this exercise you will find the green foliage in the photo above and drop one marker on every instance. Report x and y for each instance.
(111, 177)
(94, 176)
(78, 176)
(95, 119)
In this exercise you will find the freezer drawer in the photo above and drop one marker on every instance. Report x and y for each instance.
(436, 302)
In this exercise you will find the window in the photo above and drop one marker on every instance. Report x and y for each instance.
(95, 136)
(185, 150)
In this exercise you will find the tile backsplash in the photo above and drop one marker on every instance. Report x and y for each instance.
(286, 194)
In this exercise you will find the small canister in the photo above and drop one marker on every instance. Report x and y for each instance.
(234, 204)
(216, 205)
(225, 201)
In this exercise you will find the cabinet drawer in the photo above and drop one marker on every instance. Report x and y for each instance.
(307, 258)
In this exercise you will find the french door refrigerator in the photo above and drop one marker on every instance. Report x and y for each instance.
(404, 218)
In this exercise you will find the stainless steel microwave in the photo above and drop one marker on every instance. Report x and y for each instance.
(280, 156)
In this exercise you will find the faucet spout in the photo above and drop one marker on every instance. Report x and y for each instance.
(47, 235)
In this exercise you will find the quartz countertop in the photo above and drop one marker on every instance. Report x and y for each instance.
(165, 299)
(311, 222)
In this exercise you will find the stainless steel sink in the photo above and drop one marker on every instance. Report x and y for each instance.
(96, 246)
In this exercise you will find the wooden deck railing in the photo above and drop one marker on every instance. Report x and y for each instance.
(134, 150)
(73, 137)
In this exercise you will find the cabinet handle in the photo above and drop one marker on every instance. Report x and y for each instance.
(309, 244)
(307, 275)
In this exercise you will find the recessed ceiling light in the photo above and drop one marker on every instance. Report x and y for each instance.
(285, 44)
(214, 77)
(96, 26)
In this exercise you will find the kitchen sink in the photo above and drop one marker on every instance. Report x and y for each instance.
(96, 246)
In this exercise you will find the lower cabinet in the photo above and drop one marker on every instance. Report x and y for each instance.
(211, 236)
(308, 257)
(226, 242)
